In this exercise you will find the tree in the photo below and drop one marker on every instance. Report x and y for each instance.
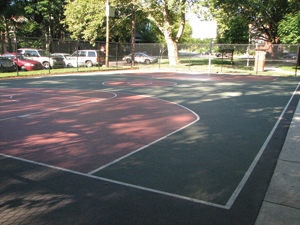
(233, 29)
(8, 11)
(165, 14)
(289, 29)
(43, 18)
(149, 33)
(4, 4)
(264, 15)
(186, 36)
(87, 20)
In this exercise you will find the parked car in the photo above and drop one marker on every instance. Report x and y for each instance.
(290, 56)
(23, 63)
(225, 54)
(7, 65)
(89, 57)
(69, 60)
(140, 57)
(43, 57)
(207, 52)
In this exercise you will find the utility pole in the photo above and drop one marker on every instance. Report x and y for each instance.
(133, 35)
(107, 35)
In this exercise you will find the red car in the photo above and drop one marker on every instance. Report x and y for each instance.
(23, 63)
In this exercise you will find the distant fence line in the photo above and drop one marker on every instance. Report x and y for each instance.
(188, 53)
(155, 49)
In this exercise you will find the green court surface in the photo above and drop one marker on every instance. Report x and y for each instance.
(215, 170)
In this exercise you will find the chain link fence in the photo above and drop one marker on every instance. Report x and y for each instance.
(80, 56)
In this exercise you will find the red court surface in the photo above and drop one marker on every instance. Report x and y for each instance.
(70, 155)
(83, 130)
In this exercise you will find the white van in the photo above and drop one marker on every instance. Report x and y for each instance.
(89, 57)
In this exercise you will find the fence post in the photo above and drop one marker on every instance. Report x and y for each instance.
(209, 60)
(190, 52)
(77, 57)
(50, 42)
(16, 47)
(297, 60)
(256, 68)
(222, 60)
(117, 50)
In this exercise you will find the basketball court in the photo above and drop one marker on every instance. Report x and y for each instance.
(140, 147)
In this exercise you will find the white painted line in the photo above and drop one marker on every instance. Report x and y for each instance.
(118, 182)
(145, 146)
(256, 159)
(137, 150)
(229, 202)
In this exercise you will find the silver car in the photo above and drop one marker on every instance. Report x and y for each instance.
(140, 57)
(69, 60)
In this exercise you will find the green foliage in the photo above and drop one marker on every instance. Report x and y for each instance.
(31, 43)
(4, 5)
(168, 16)
(289, 29)
(235, 31)
(30, 29)
(39, 18)
(264, 15)
(149, 33)
(85, 19)
(186, 36)
(274, 21)
(144, 28)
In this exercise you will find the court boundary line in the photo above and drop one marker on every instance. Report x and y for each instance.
(231, 200)
(118, 182)
(90, 174)
(245, 178)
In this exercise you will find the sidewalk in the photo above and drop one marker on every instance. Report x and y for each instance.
(282, 201)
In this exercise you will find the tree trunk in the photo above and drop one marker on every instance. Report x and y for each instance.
(166, 26)
(9, 45)
(172, 50)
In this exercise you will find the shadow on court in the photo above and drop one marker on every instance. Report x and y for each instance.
(210, 170)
